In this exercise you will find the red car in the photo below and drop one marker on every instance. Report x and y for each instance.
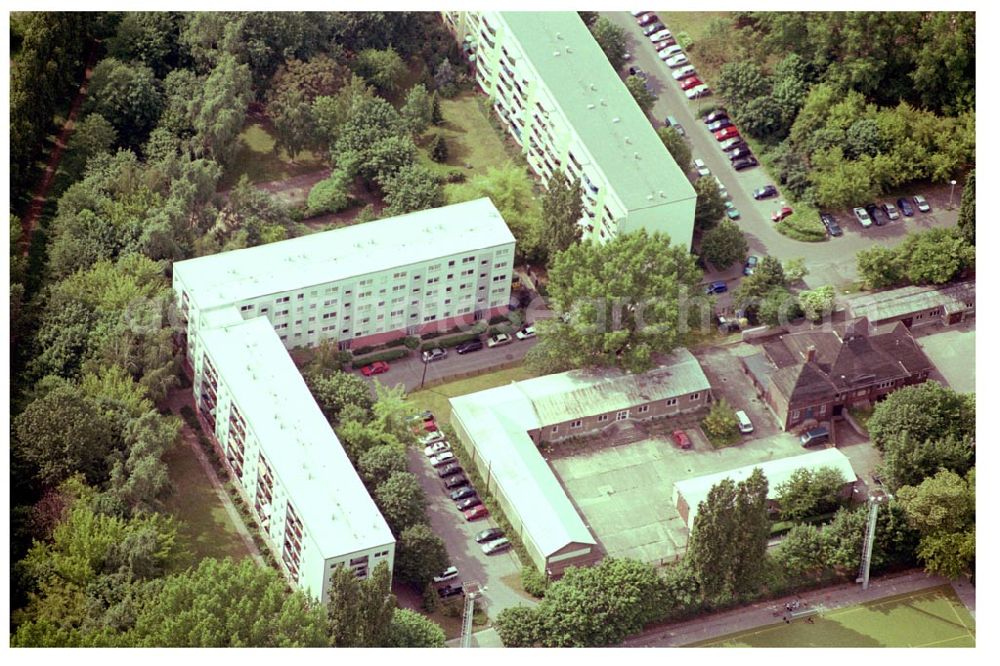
(476, 512)
(781, 213)
(727, 133)
(430, 426)
(662, 44)
(691, 82)
(681, 439)
(376, 368)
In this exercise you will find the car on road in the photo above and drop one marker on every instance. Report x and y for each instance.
(449, 591)
(684, 72)
(678, 60)
(890, 211)
(726, 133)
(468, 503)
(718, 114)
(525, 333)
(462, 493)
(745, 163)
(781, 213)
(434, 449)
(431, 438)
(698, 92)
(751, 265)
(905, 207)
(498, 546)
(470, 346)
(830, 222)
(476, 512)
(670, 121)
(376, 368)
(687, 84)
(921, 203)
(875, 213)
(450, 469)
(862, 216)
(732, 212)
(670, 51)
(489, 535)
(499, 339)
(442, 458)
(654, 28)
(435, 354)
(446, 575)
(455, 482)
(699, 166)
(681, 439)
(765, 192)
(719, 124)
(647, 18)
(717, 287)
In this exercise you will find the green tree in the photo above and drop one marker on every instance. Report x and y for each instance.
(330, 195)
(418, 110)
(880, 267)
(802, 552)
(611, 38)
(402, 501)
(967, 210)
(93, 136)
(410, 629)
(943, 510)
(906, 461)
(139, 477)
(810, 493)
(676, 145)
(438, 148)
(927, 411)
(776, 307)
(219, 109)
(936, 256)
(253, 213)
(411, 188)
(724, 245)
(446, 79)
(561, 212)
(331, 112)
(436, 116)
(709, 206)
(360, 611)
(336, 390)
(373, 141)
(380, 462)
(128, 96)
(817, 303)
(358, 437)
(839, 182)
(720, 423)
(520, 626)
(294, 127)
(383, 68)
(151, 38)
(616, 304)
(794, 270)
(741, 83)
(844, 536)
(641, 93)
(420, 555)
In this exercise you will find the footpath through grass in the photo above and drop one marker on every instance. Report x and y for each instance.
(933, 617)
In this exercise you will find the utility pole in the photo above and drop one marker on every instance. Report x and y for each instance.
(869, 543)
(472, 592)
(951, 196)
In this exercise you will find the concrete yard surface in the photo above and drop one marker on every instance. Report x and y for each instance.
(953, 352)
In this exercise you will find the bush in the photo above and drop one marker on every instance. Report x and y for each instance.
(438, 149)
(390, 355)
(452, 341)
(455, 176)
(397, 342)
(803, 225)
(411, 342)
(503, 328)
(498, 319)
(534, 582)
(430, 335)
(330, 195)
(721, 425)
(361, 351)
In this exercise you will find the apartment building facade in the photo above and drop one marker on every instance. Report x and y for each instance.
(563, 103)
(360, 285)
(308, 500)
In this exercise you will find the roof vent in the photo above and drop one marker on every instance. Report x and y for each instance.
(591, 106)
(636, 156)
(569, 50)
(663, 195)
(649, 197)
(604, 102)
(628, 140)
(593, 86)
(616, 120)
(555, 53)
(559, 35)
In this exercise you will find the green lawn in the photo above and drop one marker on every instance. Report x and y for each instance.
(257, 158)
(436, 399)
(693, 23)
(929, 618)
(206, 529)
(470, 138)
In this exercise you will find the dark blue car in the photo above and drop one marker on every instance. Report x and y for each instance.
(717, 287)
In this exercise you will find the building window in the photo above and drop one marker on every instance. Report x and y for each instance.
(283, 299)
(695, 396)
(602, 418)
(576, 424)
(795, 415)
(246, 307)
(643, 409)
(671, 402)
(622, 415)
(822, 410)
(555, 428)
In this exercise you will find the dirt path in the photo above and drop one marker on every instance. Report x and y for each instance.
(42, 189)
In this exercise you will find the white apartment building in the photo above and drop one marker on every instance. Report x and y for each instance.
(360, 285)
(310, 503)
(568, 109)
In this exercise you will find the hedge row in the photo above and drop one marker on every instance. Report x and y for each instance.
(453, 341)
(390, 355)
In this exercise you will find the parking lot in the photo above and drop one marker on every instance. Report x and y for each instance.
(953, 352)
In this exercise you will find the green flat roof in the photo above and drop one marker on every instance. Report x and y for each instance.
(592, 96)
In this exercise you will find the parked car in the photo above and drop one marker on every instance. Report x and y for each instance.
(699, 166)
(727, 133)
(448, 470)
(637, 71)
(687, 84)
(670, 121)
(719, 124)
(660, 35)
(431, 438)
(470, 346)
(732, 212)
(890, 211)
(664, 43)
(921, 203)
(489, 535)
(745, 163)
(678, 60)
(525, 333)
(739, 150)
(450, 591)
(718, 114)
(498, 546)
(461, 493)
(646, 18)
(751, 265)
(831, 224)
(698, 92)
(446, 575)
(681, 439)
(781, 213)
(476, 512)
(815, 437)
(876, 215)
(499, 339)
(429, 426)
(454, 481)
(905, 207)
(862, 215)
(636, 13)
(442, 458)
(435, 354)
(436, 448)
(653, 28)
(717, 287)
(746, 426)
(376, 368)
(765, 192)
(468, 503)
(684, 72)
(727, 325)
(670, 51)
(723, 192)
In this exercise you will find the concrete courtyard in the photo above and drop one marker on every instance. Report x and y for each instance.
(625, 493)
(953, 352)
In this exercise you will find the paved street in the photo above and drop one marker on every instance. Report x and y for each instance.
(829, 262)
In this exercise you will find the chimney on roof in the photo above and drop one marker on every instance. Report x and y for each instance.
(811, 354)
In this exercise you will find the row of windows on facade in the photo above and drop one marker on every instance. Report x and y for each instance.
(624, 413)
(820, 410)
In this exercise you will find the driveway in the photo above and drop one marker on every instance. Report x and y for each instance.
(725, 374)
(465, 553)
(829, 262)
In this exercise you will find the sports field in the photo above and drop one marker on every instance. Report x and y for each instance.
(929, 618)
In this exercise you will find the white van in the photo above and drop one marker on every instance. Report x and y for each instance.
(744, 421)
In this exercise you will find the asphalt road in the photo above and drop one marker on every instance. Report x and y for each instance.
(829, 262)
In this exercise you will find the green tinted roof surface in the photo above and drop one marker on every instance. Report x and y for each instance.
(629, 152)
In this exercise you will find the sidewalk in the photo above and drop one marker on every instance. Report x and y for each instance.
(763, 613)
